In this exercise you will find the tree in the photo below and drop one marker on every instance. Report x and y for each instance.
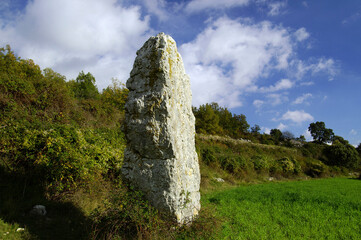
(320, 133)
(241, 122)
(359, 149)
(115, 96)
(287, 135)
(255, 129)
(341, 153)
(207, 121)
(276, 135)
(84, 86)
(302, 138)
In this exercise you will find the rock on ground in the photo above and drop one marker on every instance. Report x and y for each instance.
(160, 158)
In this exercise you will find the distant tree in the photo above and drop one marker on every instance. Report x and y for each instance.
(302, 138)
(255, 129)
(232, 125)
(276, 135)
(287, 135)
(115, 95)
(84, 86)
(320, 133)
(241, 122)
(359, 149)
(207, 121)
(341, 153)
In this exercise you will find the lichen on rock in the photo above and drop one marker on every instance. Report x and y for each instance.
(160, 158)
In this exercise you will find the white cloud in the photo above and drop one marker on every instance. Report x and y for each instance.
(200, 5)
(307, 83)
(275, 8)
(275, 99)
(307, 135)
(266, 130)
(223, 67)
(282, 127)
(73, 35)
(280, 85)
(297, 116)
(353, 132)
(258, 103)
(302, 98)
(158, 8)
(301, 34)
(305, 4)
(315, 66)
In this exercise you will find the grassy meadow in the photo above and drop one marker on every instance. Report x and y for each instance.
(315, 209)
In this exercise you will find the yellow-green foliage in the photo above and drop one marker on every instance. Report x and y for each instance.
(243, 159)
(62, 156)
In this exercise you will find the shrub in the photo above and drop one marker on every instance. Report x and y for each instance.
(208, 156)
(260, 162)
(316, 169)
(343, 154)
(61, 156)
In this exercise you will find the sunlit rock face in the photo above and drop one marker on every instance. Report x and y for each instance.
(160, 158)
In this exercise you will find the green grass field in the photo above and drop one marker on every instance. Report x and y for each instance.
(315, 209)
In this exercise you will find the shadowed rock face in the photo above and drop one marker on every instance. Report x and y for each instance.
(160, 158)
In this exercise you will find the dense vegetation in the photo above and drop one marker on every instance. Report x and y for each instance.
(62, 146)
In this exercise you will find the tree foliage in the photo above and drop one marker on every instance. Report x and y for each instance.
(343, 154)
(84, 86)
(213, 119)
(255, 129)
(320, 133)
(276, 135)
(207, 121)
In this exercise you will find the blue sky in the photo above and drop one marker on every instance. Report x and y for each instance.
(284, 64)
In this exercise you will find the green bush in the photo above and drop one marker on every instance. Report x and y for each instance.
(62, 156)
(260, 163)
(343, 154)
(316, 169)
(208, 156)
(286, 166)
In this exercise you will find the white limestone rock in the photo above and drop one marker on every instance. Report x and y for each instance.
(160, 158)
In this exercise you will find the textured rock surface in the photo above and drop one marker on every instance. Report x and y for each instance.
(160, 158)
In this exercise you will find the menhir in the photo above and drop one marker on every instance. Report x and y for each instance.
(160, 158)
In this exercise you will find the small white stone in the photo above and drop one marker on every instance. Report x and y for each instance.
(20, 229)
(219, 179)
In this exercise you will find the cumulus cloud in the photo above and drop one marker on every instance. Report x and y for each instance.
(229, 65)
(275, 99)
(283, 84)
(301, 34)
(157, 8)
(73, 35)
(275, 8)
(281, 126)
(302, 98)
(310, 83)
(297, 116)
(258, 103)
(315, 66)
(199, 5)
(307, 135)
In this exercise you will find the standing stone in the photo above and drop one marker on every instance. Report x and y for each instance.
(160, 158)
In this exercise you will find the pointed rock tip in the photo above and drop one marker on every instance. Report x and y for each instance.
(164, 36)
